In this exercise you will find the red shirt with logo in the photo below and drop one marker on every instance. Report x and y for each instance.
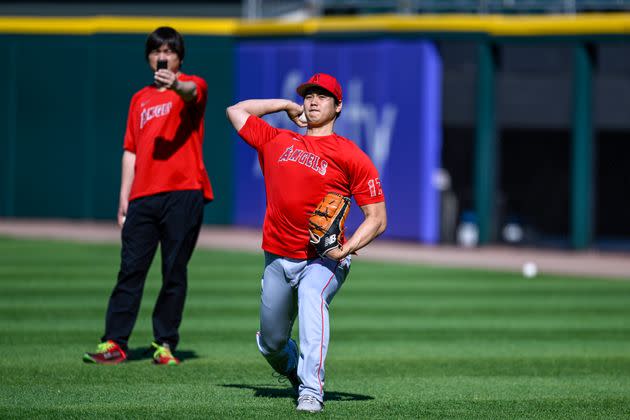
(166, 135)
(299, 170)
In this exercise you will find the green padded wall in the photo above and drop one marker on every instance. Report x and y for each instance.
(63, 118)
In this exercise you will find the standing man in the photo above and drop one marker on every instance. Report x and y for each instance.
(299, 170)
(163, 190)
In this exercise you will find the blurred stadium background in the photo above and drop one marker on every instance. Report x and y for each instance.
(492, 122)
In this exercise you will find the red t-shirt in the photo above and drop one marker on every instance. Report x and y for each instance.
(166, 134)
(299, 170)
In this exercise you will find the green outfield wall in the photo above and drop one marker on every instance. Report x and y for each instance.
(63, 119)
(67, 82)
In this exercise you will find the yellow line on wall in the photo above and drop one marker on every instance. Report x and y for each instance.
(498, 25)
(113, 24)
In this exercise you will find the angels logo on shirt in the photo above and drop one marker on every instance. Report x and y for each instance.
(156, 111)
(303, 157)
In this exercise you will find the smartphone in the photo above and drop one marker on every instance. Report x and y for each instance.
(161, 64)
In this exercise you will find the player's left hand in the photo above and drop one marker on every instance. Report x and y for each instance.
(166, 79)
(337, 254)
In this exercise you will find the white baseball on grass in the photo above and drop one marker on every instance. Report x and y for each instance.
(302, 117)
(529, 269)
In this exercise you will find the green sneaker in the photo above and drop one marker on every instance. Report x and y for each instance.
(163, 355)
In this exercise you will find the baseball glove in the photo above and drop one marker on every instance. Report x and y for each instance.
(326, 224)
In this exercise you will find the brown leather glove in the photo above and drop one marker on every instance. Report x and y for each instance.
(326, 224)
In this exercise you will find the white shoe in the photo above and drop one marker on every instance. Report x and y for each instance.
(310, 404)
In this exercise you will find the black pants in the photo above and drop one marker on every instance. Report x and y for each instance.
(173, 220)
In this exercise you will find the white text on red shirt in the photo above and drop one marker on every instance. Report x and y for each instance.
(308, 159)
(156, 111)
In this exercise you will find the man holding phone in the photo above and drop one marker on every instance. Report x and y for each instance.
(163, 189)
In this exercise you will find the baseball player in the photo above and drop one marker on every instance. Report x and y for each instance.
(299, 170)
(163, 190)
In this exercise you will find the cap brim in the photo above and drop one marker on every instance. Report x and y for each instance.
(301, 90)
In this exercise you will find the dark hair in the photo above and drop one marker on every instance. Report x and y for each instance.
(165, 35)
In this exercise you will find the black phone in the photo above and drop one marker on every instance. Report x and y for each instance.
(161, 64)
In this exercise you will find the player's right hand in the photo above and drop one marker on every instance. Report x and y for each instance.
(122, 213)
(294, 111)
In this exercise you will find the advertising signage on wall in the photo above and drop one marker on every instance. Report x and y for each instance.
(391, 109)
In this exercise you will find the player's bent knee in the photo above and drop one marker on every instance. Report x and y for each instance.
(270, 345)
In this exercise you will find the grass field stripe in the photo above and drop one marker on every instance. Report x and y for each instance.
(497, 25)
(430, 342)
(321, 343)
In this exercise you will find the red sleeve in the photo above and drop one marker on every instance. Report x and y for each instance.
(131, 132)
(256, 132)
(202, 90)
(365, 184)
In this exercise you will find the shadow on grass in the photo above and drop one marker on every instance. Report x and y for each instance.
(269, 392)
(146, 353)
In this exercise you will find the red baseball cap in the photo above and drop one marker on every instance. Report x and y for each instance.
(324, 81)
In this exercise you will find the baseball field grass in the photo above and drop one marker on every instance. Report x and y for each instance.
(407, 342)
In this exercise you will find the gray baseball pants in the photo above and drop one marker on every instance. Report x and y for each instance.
(304, 288)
